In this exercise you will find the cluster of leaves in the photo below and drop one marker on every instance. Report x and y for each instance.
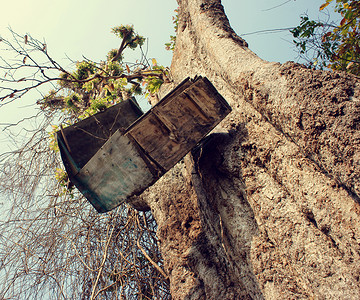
(171, 45)
(153, 83)
(92, 87)
(62, 178)
(129, 37)
(330, 45)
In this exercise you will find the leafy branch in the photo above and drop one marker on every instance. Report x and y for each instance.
(171, 45)
(328, 45)
(78, 92)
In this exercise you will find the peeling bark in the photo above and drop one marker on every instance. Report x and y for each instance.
(267, 206)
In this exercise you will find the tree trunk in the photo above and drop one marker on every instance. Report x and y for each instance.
(268, 206)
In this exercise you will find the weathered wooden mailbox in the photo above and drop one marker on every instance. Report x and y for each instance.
(118, 153)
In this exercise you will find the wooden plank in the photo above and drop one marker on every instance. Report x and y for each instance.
(176, 124)
(203, 93)
(178, 90)
(155, 139)
(110, 167)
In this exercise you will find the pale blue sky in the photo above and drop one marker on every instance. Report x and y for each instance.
(252, 16)
(76, 27)
(83, 27)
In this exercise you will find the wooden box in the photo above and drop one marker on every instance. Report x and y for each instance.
(131, 160)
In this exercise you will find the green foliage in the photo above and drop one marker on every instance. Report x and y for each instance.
(128, 35)
(62, 178)
(137, 41)
(73, 101)
(112, 53)
(114, 68)
(307, 28)
(328, 45)
(84, 70)
(64, 79)
(136, 90)
(171, 44)
(92, 87)
(125, 32)
(52, 135)
(153, 84)
(99, 104)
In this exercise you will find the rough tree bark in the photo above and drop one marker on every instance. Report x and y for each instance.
(268, 206)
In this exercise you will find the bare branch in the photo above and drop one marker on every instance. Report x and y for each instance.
(53, 244)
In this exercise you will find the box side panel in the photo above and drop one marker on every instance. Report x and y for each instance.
(116, 172)
(86, 137)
